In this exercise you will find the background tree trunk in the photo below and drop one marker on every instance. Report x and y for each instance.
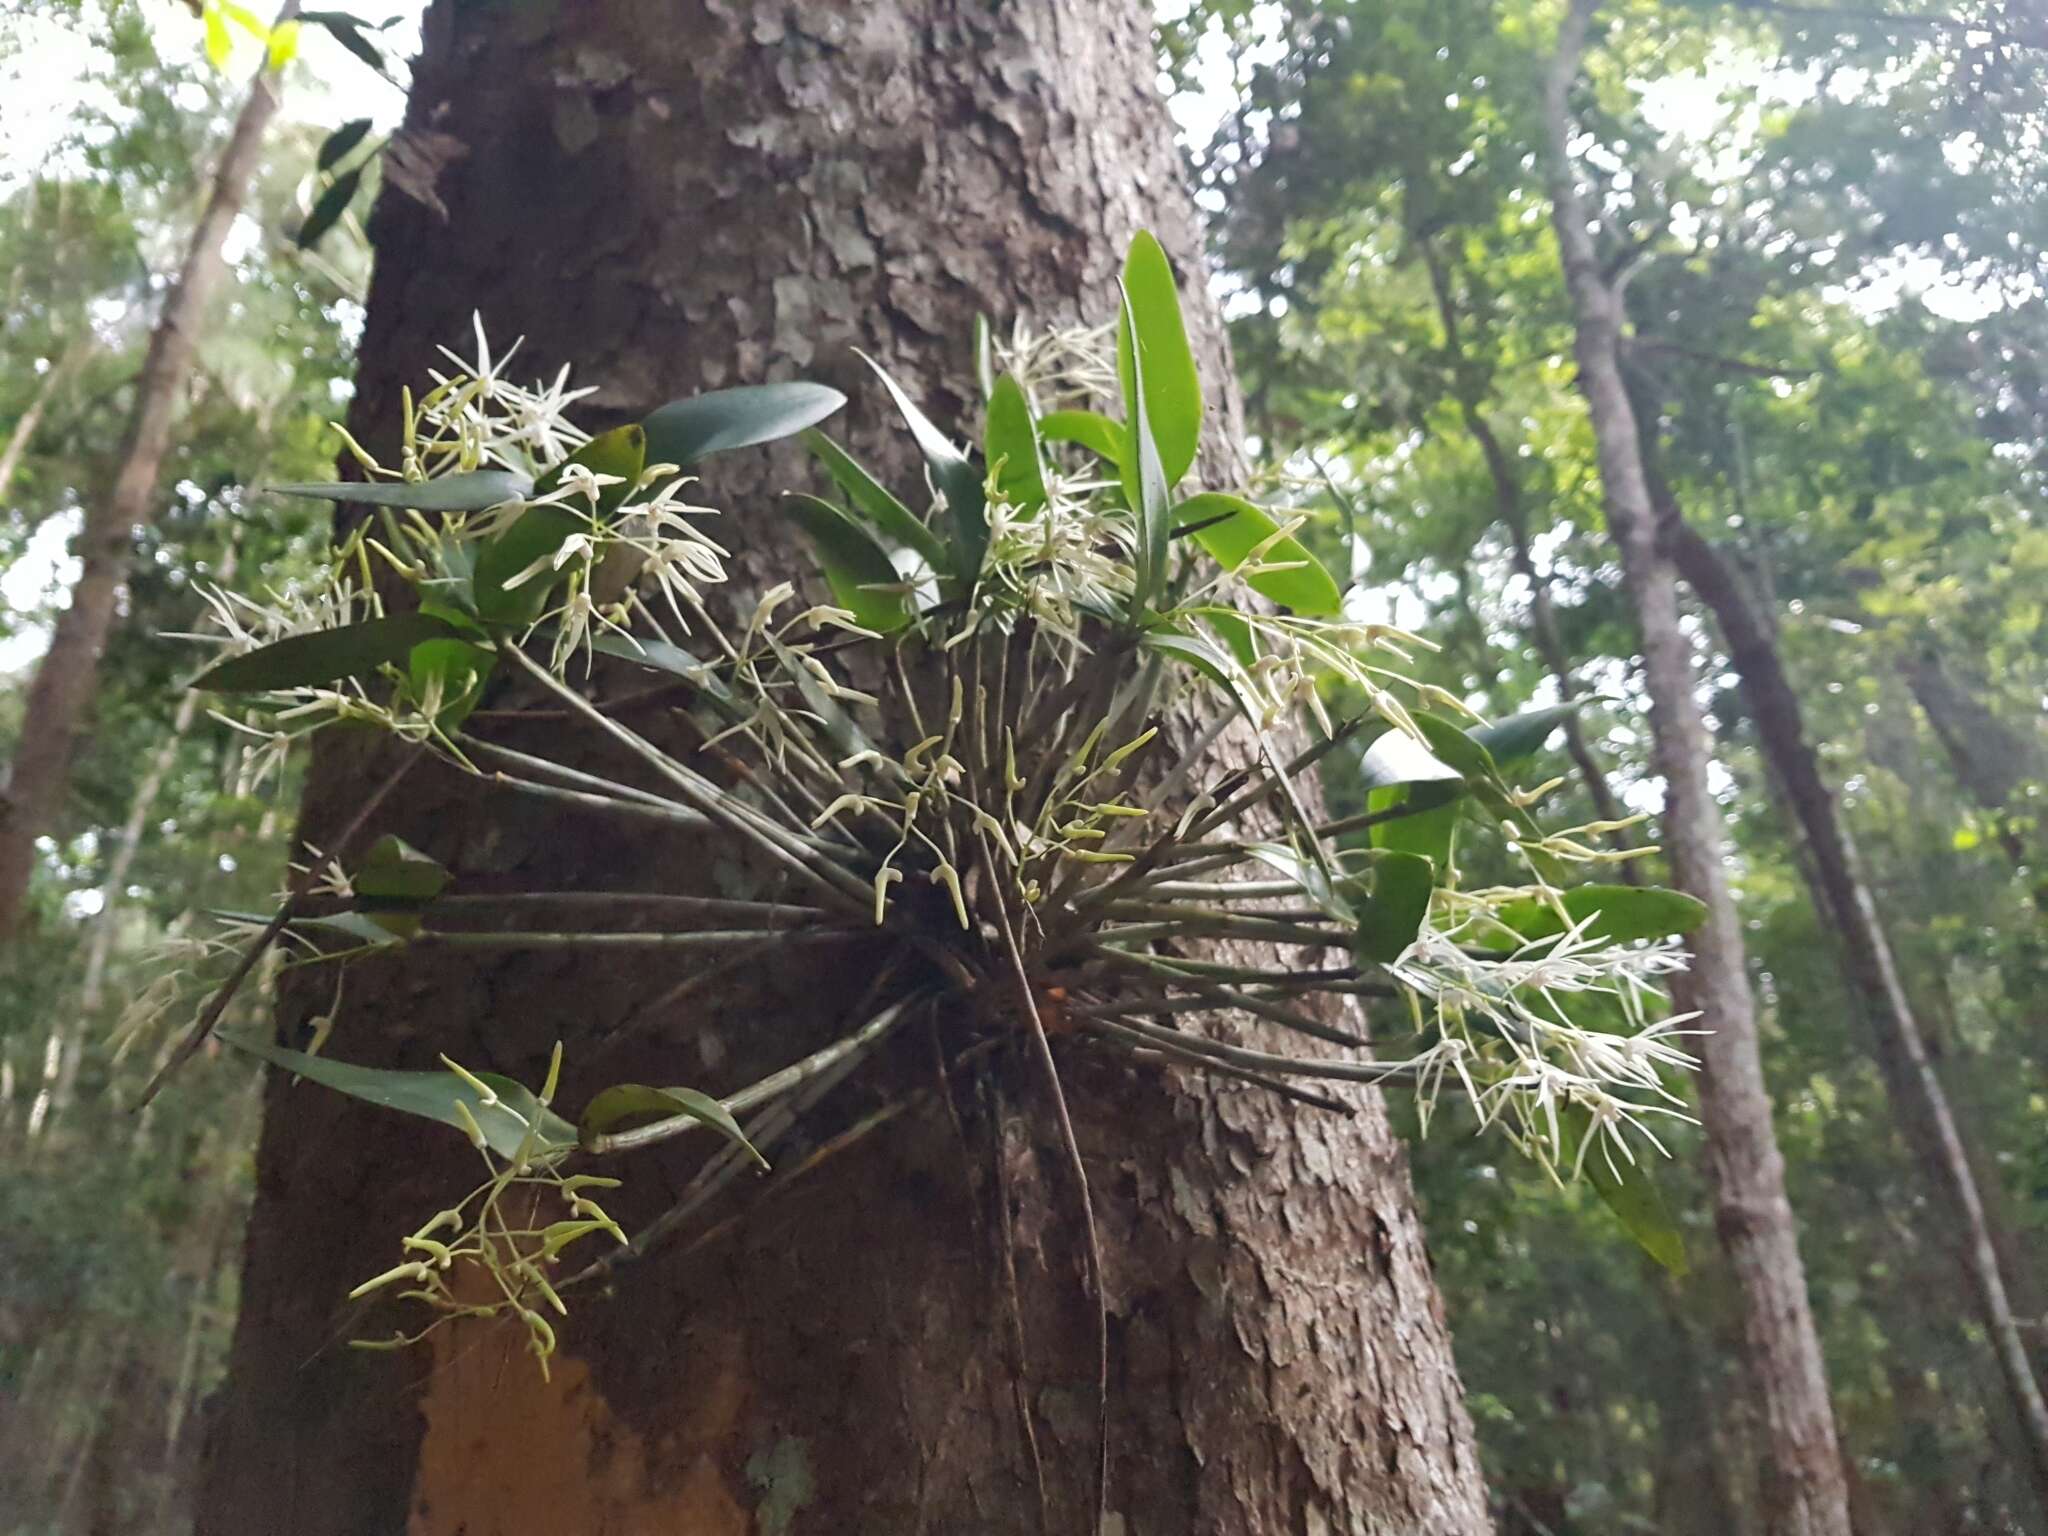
(1804, 1492)
(61, 694)
(677, 197)
(1911, 1084)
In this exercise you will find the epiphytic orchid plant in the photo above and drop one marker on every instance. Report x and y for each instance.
(1046, 743)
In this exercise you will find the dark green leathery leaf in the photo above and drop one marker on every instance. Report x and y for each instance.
(324, 655)
(336, 146)
(685, 431)
(870, 499)
(329, 208)
(958, 482)
(854, 564)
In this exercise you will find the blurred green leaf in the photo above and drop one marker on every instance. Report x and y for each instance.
(329, 208)
(471, 492)
(1618, 912)
(336, 146)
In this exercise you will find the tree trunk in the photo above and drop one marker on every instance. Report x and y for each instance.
(1991, 760)
(61, 693)
(1804, 1492)
(1511, 508)
(683, 196)
(1911, 1084)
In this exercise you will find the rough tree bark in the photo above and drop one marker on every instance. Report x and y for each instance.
(61, 693)
(1804, 1492)
(1915, 1090)
(678, 196)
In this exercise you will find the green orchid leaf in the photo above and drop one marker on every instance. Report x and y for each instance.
(1618, 914)
(870, 499)
(459, 668)
(685, 431)
(432, 1096)
(1013, 444)
(1230, 528)
(1092, 430)
(347, 30)
(1401, 774)
(394, 870)
(661, 656)
(855, 565)
(958, 482)
(1314, 880)
(540, 532)
(625, 1102)
(323, 656)
(1626, 1188)
(470, 492)
(1210, 660)
(1145, 485)
(1522, 736)
(1399, 905)
(1153, 355)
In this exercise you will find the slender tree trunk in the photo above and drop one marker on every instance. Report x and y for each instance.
(1839, 891)
(61, 693)
(16, 447)
(1804, 1491)
(1511, 508)
(1990, 759)
(677, 196)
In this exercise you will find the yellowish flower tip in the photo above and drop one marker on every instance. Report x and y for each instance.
(486, 1095)
(474, 1131)
(547, 1092)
